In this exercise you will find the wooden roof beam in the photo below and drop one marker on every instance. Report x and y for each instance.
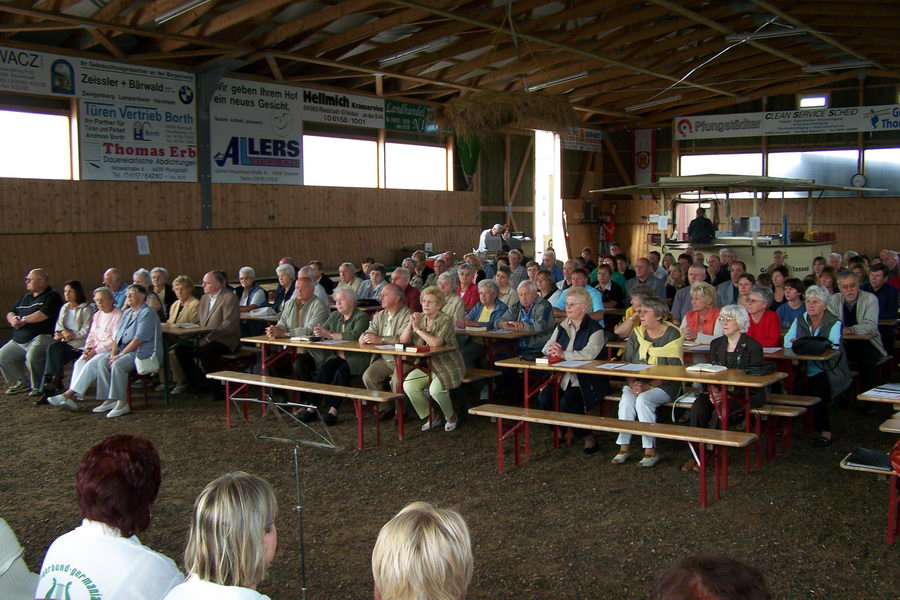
(572, 49)
(766, 5)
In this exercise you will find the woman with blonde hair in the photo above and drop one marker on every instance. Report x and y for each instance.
(232, 539)
(423, 552)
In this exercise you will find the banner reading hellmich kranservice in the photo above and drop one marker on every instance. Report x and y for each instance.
(851, 119)
(342, 109)
(136, 123)
(255, 133)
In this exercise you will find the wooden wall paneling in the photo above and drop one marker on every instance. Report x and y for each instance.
(41, 206)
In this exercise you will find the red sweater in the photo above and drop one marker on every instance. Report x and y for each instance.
(768, 331)
(469, 297)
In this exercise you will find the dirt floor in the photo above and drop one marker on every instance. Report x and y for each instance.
(563, 526)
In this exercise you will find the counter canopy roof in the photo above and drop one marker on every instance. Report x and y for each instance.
(705, 186)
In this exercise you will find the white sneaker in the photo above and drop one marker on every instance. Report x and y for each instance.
(56, 400)
(448, 426)
(619, 458)
(179, 389)
(69, 404)
(104, 407)
(118, 412)
(649, 461)
(434, 424)
(160, 387)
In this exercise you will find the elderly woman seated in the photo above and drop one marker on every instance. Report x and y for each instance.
(187, 310)
(701, 323)
(486, 313)
(453, 306)
(116, 484)
(826, 379)
(142, 277)
(72, 327)
(337, 368)
(423, 552)
(370, 289)
(285, 274)
(431, 327)
(159, 277)
(653, 342)
(765, 327)
(232, 540)
(577, 337)
(138, 336)
(733, 349)
(250, 295)
(467, 289)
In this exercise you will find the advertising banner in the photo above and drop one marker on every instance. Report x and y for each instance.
(587, 140)
(852, 119)
(136, 123)
(255, 133)
(342, 109)
(406, 116)
(29, 72)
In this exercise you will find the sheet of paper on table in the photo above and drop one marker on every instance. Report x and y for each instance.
(698, 348)
(385, 347)
(882, 393)
(332, 342)
(772, 350)
(889, 386)
(572, 363)
(623, 366)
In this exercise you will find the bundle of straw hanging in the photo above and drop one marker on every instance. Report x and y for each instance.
(489, 112)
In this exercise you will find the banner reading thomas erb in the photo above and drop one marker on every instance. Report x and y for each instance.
(255, 133)
(136, 123)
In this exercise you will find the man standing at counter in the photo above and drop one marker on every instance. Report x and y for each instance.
(701, 230)
(778, 261)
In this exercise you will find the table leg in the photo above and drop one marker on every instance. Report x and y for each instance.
(701, 454)
(893, 521)
(500, 445)
(527, 428)
(227, 404)
(358, 409)
(398, 369)
(724, 451)
(165, 372)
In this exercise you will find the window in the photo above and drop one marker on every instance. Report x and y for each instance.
(35, 145)
(812, 100)
(723, 164)
(415, 167)
(340, 162)
(825, 167)
(883, 171)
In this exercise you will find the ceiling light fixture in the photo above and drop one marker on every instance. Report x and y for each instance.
(552, 82)
(178, 11)
(764, 35)
(409, 52)
(853, 64)
(652, 103)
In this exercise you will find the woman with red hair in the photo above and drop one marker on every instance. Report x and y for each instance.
(116, 483)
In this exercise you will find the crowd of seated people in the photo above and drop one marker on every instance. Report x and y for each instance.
(668, 302)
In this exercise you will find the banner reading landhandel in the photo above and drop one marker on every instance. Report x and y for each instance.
(852, 119)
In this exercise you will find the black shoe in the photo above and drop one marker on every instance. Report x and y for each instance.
(329, 419)
(43, 399)
(592, 449)
(822, 441)
(308, 416)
